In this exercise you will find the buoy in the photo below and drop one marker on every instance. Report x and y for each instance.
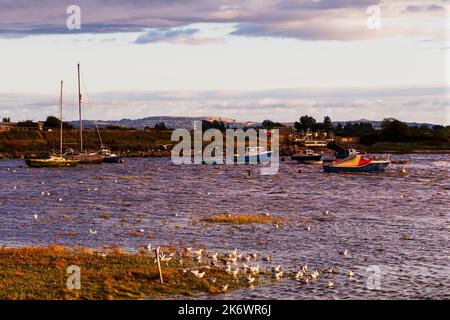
(403, 171)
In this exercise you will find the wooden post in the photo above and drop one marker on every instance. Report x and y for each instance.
(159, 266)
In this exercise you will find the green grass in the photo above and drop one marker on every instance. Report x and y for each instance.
(241, 218)
(40, 273)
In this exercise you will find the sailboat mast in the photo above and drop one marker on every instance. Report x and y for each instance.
(61, 122)
(79, 110)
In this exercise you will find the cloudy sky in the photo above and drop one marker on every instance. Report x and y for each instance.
(248, 60)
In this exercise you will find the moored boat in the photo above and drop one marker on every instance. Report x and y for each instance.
(253, 155)
(54, 161)
(307, 155)
(359, 163)
(108, 156)
(83, 157)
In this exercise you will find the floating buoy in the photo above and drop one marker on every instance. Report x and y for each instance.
(403, 171)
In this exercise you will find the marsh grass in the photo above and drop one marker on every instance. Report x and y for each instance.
(242, 218)
(40, 273)
(105, 215)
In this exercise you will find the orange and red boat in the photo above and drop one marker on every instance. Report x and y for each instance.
(359, 163)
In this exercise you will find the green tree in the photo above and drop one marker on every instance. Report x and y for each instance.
(269, 125)
(327, 125)
(27, 124)
(394, 130)
(53, 122)
(306, 122)
(160, 126)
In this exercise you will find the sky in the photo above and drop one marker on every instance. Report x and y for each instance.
(248, 60)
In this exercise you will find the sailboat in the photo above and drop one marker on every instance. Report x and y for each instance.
(82, 157)
(54, 161)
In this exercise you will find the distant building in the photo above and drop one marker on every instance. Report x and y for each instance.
(346, 139)
(6, 124)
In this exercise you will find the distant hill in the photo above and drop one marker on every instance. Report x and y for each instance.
(377, 124)
(170, 122)
(188, 122)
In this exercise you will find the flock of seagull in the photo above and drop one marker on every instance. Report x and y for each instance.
(241, 266)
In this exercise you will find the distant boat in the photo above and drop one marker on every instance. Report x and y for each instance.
(359, 163)
(82, 157)
(108, 157)
(54, 161)
(253, 154)
(307, 155)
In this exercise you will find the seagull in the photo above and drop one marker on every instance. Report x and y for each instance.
(350, 273)
(60, 199)
(250, 279)
(277, 269)
(276, 225)
(93, 232)
(308, 228)
(141, 230)
(149, 247)
(213, 280)
(330, 284)
(198, 252)
(278, 275)
(198, 274)
(305, 268)
(344, 253)
(268, 258)
(235, 272)
(223, 288)
(315, 275)
(214, 257)
(48, 193)
(35, 216)
(326, 212)
(299, 275)
(254, 270)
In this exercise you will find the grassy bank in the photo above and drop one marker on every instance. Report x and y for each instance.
(409, 147)
(40, 273)
(26, 142)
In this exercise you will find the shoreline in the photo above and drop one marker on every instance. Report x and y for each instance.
(166, 154)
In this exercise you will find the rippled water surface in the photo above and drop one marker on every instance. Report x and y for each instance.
(371, 215)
